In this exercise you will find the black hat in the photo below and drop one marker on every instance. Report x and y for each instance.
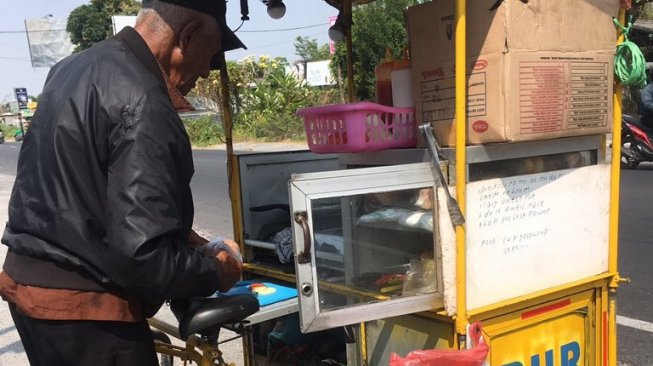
(217, 9)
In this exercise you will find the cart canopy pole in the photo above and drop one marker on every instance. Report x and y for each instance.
(615, 179)
(227, 121)
(347, 13)
(461, 163)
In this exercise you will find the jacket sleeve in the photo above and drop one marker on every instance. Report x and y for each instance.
(146, 235)
(646, 102)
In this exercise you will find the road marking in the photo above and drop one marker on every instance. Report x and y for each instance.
(634, 323)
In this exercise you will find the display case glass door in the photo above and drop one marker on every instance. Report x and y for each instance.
(365, 244)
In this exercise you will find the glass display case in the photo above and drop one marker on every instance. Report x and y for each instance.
(365, 244)
(265, 217)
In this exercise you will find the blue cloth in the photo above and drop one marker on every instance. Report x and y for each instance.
(283, 245)
(281, 293)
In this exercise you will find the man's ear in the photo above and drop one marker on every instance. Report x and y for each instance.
(189, 31)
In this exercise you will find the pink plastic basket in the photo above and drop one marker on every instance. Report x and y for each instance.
(358, 127)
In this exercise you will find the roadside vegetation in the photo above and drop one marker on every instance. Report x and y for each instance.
(204, 131)
(264, 95)
(9, 131)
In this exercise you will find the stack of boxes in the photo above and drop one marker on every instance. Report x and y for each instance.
(536, 69)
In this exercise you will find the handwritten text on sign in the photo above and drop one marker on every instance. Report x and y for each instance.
(531, 232)
(514, 202)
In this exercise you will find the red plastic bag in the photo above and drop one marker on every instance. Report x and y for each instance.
(447, 357)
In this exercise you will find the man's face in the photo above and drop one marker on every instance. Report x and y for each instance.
(192, 57)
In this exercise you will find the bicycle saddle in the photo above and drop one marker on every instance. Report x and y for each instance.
(202, 314)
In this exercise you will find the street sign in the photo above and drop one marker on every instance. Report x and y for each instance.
(318, 73)
(21, 97)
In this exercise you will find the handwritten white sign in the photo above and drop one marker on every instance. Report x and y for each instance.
(532, 232)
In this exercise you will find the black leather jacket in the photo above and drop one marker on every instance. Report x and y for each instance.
(646, 105)
(103, 177)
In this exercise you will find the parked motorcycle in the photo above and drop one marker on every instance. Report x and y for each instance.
(636, 145)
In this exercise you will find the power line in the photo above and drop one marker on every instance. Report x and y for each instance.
(14, 58)
(283, 29)
(242, 31)
(31, 31)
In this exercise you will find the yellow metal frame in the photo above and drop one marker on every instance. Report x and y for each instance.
(195, 349)
(584, 300)
(513, 320)
(612, 276)
(605, 284)
(535, 298)
(614, 215)
(461, 168)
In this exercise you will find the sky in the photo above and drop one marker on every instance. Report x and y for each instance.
(261, 34)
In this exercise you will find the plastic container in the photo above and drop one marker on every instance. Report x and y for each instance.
(382, 75)
(402, 88)
(358, 127)
(402, 83)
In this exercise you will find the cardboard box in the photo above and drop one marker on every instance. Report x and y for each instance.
(536, 70)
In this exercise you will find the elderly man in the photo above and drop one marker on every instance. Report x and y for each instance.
(100, 217)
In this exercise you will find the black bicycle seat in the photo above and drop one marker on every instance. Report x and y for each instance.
(204, 314)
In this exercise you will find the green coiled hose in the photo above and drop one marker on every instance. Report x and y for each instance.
(629, 62)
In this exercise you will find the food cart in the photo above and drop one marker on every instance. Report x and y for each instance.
(378, 254)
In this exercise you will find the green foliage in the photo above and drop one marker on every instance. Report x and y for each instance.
(644, 9)
(91, 23)
(9, 131)
(264, 98)
(630, 101)
(204, 131)
(375, 27)
(308, 50)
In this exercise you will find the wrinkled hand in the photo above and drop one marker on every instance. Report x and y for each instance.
(230, 268)
(195, 240)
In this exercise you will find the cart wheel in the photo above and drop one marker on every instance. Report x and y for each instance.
(164, 360)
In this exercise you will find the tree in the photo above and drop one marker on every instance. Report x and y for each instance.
(376, 26)
(308, 50)
(264, 98)
(91, 23)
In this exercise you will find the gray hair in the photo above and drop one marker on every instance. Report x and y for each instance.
(160, 16)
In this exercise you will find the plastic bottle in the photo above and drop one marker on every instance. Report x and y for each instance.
(382, 75)
(402, 83)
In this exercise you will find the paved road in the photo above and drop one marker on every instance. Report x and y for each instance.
(635, 262)
(213, 216)
(11, 350)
